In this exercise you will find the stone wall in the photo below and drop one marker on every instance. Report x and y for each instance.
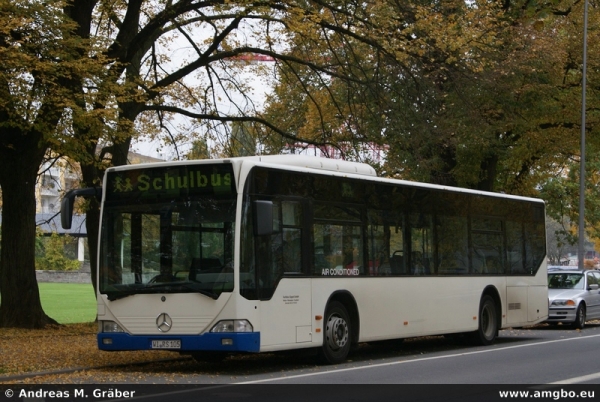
(83, 275)
(63, 276)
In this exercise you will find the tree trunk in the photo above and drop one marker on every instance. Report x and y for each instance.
(20, 305)
(91, 178)
(91, 174)
(489, 168)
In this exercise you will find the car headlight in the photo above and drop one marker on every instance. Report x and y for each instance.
(110, 326)
(563, 303)
(233, 326)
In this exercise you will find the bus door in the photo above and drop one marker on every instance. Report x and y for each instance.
(283, 287)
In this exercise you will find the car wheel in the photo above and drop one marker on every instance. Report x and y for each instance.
(337, 337)
(488, 322)
(580, 317)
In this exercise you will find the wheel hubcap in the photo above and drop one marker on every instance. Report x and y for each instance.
(486, 322)
(337, 333)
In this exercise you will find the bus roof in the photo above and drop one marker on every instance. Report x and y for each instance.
(314, 163)
(311, 162)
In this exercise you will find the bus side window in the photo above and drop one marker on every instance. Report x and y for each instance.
(514, 248)
(291, 221)
(488, 245)
(397, 264)
(385, 244)
(338, 241)
(453, 246)
(421, 243)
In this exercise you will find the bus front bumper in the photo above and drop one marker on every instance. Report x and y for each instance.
(223, 342)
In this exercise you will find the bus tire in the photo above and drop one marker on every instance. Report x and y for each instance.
(488, 322)
(337, 334)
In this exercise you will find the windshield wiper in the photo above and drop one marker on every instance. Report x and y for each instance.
(112, 296)
(185, 285)
(158, 287)
(193, 287)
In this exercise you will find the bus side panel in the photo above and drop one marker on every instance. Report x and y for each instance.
(537, 297)
(527, 299)
(410, 306)
(516, 311)
(286, 319)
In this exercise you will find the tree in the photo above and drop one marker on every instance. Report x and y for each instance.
(242, 143)
(52, 254)
(491, 104)
(85, 77)
(143, 87)
(199, 150)
(39, 54)
(397, 99)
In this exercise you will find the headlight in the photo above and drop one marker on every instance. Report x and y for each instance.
(110, 326)
(233, 326)
(563, 303)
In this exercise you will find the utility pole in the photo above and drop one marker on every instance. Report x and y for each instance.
(581, 249)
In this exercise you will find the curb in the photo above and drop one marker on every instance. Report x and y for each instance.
(14, 377)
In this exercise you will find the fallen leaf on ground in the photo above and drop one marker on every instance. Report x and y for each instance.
(62, 347)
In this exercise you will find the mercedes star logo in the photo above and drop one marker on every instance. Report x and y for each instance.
(164, 322)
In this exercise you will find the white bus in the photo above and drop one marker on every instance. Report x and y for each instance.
(269, 253)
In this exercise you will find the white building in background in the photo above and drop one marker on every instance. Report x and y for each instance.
(55, 179)
(58, 176)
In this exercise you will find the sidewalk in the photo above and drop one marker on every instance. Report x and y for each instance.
(65, 349)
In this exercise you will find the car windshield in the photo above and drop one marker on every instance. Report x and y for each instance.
(565, 281)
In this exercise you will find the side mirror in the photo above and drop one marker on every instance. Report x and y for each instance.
(593, 286)
(66, 211)
(263, 218)
(66, 205)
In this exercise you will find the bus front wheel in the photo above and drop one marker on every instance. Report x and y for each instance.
(337, 334)
(488, 322)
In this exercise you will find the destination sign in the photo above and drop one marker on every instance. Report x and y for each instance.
(184, 179)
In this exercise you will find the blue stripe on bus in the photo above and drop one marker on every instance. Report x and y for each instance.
(241, 341)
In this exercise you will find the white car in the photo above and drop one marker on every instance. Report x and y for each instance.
(573, 296)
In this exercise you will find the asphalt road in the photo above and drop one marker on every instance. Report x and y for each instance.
(420, 369)
(542, 356)
(562, 362)
(539, 355)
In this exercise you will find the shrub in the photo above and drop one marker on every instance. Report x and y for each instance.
(52, 257)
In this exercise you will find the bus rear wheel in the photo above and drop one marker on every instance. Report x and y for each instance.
(488, 322)
(337, 334)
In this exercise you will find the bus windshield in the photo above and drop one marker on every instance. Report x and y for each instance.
(176, 247)
(180, 241)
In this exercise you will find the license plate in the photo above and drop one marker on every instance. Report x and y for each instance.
(163, 344)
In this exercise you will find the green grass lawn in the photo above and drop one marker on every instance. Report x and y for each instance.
(68, 303)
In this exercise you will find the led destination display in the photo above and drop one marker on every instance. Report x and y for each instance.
(170, 181)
